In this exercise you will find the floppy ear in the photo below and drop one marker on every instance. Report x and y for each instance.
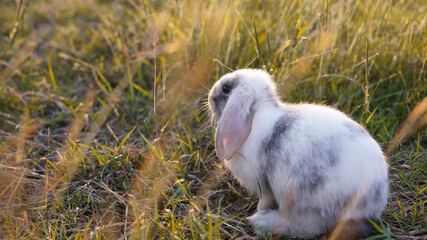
(234, 125)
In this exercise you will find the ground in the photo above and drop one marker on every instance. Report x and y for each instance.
(105, 130)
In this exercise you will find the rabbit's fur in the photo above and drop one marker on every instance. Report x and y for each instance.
(312, 166)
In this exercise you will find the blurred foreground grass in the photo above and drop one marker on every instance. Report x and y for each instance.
(104, 128)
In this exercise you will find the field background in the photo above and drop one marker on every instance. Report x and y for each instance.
(104, 127)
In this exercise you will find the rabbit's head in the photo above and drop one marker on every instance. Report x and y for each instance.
(234, 99)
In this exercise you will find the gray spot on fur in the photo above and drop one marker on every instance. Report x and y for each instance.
(266, 188)
(273, 150)
(274, 205)
(321, 155)
(375, 195)
(273, 143)
(265, 182)
(311, 180)
(355, 128)
(378, 192)
(326, 150)
(311, 176)
(360, 228)
(267, 89)
(265, 185)
(326, 216)
(363, 229)
(330, 216)
(220, 101)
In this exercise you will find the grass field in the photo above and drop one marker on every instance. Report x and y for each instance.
(104, 128)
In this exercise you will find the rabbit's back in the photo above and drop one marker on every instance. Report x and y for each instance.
(331, 161)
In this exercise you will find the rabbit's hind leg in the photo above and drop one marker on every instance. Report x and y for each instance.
(274, 222)
(267, 201)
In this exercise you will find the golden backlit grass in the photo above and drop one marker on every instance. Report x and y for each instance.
(104, 128)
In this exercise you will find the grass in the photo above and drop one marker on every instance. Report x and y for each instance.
(104, 128)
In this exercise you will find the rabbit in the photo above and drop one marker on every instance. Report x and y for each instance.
(315, 170)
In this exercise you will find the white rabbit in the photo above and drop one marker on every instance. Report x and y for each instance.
(312, 166)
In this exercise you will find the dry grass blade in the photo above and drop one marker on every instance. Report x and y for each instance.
(151, 181)
(209, 185)
(416, 120)
(17, 62)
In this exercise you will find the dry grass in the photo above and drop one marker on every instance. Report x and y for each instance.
(103, 123)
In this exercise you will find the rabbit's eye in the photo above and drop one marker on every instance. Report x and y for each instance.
(226, 88)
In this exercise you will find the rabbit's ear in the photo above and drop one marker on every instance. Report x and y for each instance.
(234, 125)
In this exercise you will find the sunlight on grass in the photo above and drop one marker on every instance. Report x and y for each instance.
(104, 127)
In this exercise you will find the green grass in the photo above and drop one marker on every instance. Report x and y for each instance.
(104, 128)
